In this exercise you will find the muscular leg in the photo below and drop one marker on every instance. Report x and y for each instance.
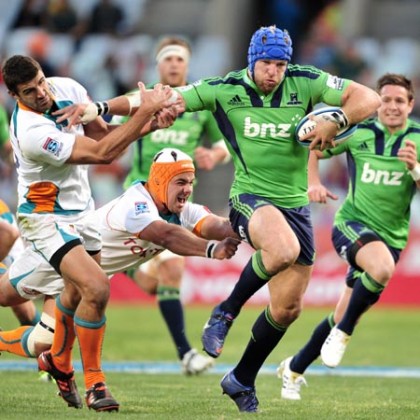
(26, 341)
(286, 293)
(276, 248)
(81, 308)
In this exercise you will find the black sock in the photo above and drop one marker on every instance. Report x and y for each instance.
(171, 309)
(312, 349)
(253, 277)
(266, 334)
(366, 292)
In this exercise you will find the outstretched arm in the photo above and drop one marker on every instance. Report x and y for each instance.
(182, 242)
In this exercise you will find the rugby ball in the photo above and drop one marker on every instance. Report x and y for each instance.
(306, 125)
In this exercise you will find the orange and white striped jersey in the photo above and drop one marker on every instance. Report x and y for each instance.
(46, 184)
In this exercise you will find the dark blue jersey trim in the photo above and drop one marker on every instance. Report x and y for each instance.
(228, 131)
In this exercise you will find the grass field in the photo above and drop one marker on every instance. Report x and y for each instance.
(386, 338)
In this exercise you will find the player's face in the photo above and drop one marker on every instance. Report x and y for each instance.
(268, 74)
(35, 94)
(179, 189)
(395, 107)
(173, 71)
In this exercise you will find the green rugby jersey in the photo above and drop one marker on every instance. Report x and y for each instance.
(185, 134)
(380, 186)
(259, 129)
(4, 126)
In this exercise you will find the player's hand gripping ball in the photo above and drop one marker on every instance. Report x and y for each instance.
(335, 114)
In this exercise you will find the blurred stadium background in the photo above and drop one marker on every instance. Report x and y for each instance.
(108, 45)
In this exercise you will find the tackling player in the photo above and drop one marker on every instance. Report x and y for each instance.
(135, 227)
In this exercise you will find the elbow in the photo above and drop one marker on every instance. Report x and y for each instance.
(105, 160)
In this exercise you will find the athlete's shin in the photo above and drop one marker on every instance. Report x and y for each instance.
(90, 336)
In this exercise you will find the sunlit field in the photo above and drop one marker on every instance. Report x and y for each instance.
(386, 338)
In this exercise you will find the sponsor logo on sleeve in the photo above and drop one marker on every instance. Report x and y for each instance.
(53, 146)
(335, 82)
(141, 207)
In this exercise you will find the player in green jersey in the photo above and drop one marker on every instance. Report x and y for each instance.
(383, 163)
(162, 276)
(257, 110)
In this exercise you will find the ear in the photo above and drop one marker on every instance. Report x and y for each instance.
(13, 95)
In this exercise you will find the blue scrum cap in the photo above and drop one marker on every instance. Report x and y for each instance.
(269, 43)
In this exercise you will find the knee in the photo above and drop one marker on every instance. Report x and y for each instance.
(382, 273)
(280, 260)
(285, 315)
(170, 272)
(41, 336)
(96, 292)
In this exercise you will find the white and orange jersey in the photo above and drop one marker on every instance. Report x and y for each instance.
(122, 220)
(46, 184)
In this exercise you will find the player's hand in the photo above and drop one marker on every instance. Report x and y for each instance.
(408, 154)
(226, 248)
(204, 158)
(319, 194)
(164, 118)
(156, 98)
(77, 114)
(322, 135)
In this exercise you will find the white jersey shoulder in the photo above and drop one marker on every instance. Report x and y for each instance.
(46, 184)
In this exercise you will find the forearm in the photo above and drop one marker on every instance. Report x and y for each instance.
(120, 137)
(183, 242)
(313, 168)
(359, 103)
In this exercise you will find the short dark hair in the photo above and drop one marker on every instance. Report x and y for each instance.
(396, 80)
(19, 69)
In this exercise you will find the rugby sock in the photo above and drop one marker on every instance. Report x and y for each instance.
(265, 335)
(36, 318)
(15, 341)
(366, 292)
(253, 277)
(91, 336)
(312, 349)
(64, 336)
(171, 309)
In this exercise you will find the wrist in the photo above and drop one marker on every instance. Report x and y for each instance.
(89, 114)
(339, 118)
(211, 246)
(102, 107)
(134, 101)
(415, 172)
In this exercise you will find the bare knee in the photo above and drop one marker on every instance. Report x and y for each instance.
(96, 294)
(285, 316)
(277, 261)
(382, 273)
(170, 272)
